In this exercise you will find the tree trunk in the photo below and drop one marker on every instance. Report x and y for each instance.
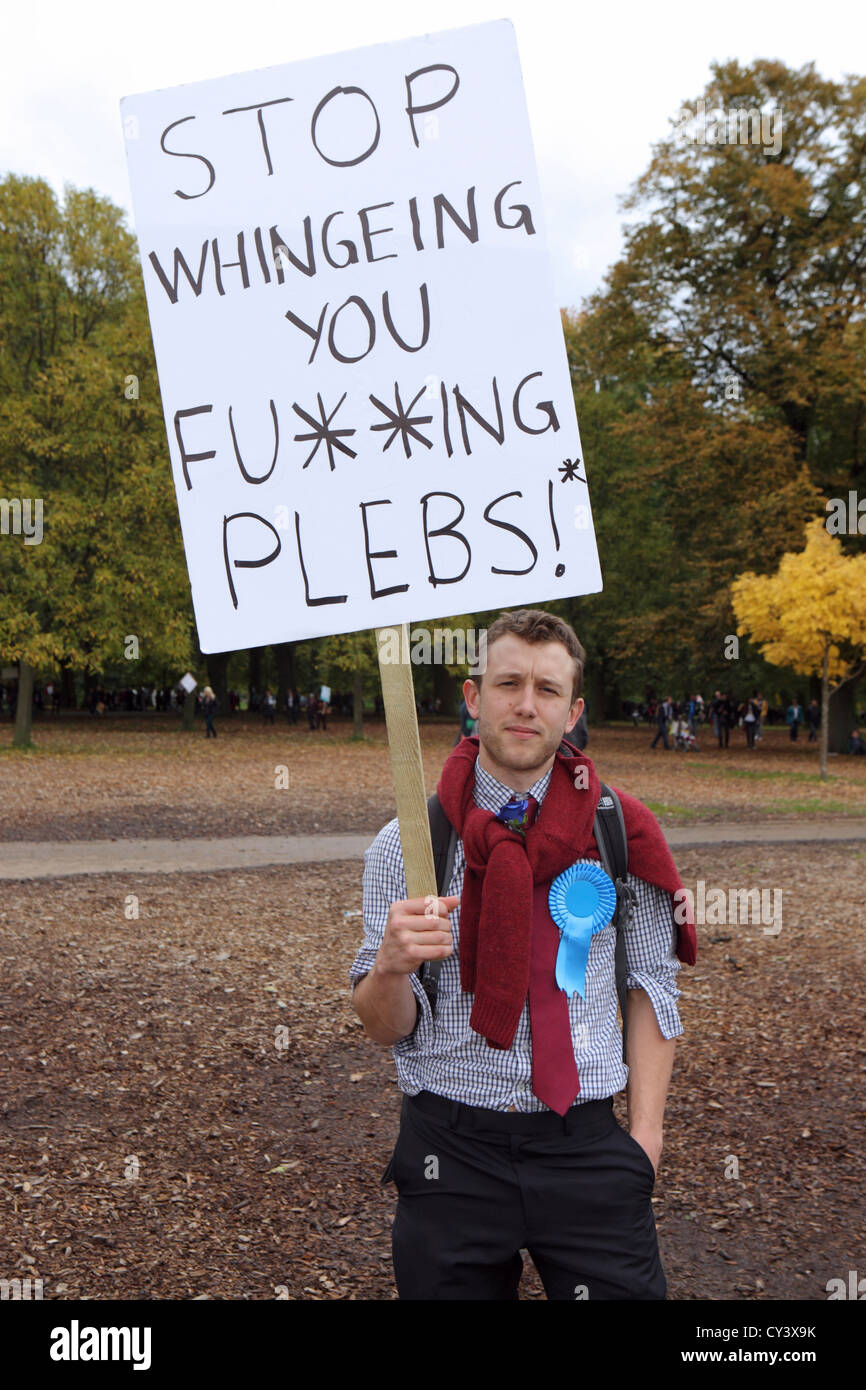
(255, 674)
(825, 713)
(358, 703)
(445, 688)
(188, 711)
(843, 716)
(217, 670)
(90, 684)
(67, 686)
(24, 707)
(285, 655)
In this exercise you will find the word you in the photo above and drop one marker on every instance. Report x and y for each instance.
(715, 908)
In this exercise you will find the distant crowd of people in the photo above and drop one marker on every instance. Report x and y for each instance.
(99, 699)
(677, 721)
(310, 706)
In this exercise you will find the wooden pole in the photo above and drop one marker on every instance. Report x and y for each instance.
(401, 718)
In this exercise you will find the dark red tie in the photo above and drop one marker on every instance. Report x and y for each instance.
(554, 1071)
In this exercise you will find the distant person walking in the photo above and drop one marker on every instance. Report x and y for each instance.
(794, 718)
(269, 705)
(751, 715)
(722, 718)
(664, 714)
(715, 706)
(467, 723)
(813, 719)
(209, 704)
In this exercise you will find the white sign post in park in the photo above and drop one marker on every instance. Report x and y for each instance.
(366, 392)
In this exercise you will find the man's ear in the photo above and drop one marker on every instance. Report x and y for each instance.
(574, 714)
(472, 696)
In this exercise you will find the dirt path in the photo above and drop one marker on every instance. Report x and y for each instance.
(65, 858)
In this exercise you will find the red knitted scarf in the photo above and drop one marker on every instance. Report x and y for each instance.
(502, 866)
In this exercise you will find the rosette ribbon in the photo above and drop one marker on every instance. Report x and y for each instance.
(582, 901)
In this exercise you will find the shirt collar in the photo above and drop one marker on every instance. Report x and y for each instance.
(491, 794)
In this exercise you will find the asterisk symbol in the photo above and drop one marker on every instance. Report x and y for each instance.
(322, 432)
(569, 472)
(402, 421)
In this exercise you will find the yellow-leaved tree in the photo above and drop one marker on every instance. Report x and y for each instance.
(809, 615)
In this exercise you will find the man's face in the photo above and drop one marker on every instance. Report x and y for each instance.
(523, 709)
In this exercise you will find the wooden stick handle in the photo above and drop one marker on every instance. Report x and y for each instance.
(401, 718)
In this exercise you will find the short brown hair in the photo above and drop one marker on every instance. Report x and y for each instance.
(534, 625)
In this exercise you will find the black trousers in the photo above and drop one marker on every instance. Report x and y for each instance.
(478, 1186)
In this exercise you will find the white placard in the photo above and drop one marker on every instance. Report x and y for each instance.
(188, 682)
(366, 391)
(325, 694)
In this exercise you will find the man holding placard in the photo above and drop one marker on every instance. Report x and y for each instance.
(370, 416)
(508, 1138)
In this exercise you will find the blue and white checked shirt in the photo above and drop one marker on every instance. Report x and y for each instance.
(444, 1055)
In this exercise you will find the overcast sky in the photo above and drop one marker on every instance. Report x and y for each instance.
(602, 81)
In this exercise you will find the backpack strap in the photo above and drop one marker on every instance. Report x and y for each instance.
(612, 841)
(444, 840)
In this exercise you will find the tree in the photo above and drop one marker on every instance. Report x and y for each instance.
(82, 438)
(810, 615)
(355, 653)
(719, 376)
(683, 497)
(752, 259)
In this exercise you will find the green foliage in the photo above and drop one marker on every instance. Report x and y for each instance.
(719, 376)
(81, 429)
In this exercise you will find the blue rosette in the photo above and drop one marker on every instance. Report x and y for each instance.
(582, 901)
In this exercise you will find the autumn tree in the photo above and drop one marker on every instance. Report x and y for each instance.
(719, 375)
(810, 615)
(81, 433)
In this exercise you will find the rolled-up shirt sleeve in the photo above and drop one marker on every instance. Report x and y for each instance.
(384, 883)
(650, 953)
